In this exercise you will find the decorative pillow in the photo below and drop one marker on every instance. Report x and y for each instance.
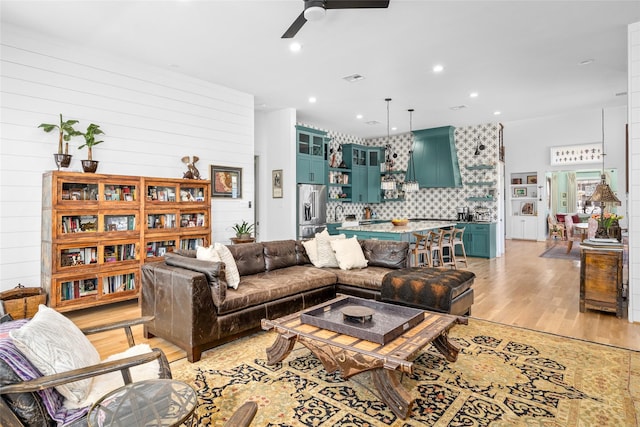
(106, 383)
(348, 253)
(311, 247)
(231, 269)
(54, 344)
(207, 254)
(326, 256)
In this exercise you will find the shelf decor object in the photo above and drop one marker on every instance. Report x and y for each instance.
(603, 195)
(89, 165)
(66, 131)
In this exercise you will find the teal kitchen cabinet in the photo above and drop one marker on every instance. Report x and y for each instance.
(479, 239)
(435, 158)
(364, 163)
(311, 156)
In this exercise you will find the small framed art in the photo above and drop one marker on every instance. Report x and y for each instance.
(226, 182)
(520, 192)
(276, 183)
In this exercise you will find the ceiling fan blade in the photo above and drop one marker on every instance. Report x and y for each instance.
(355, 4)
(295, 27)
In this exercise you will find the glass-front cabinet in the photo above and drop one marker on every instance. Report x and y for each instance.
(311, 156)
(97, 231)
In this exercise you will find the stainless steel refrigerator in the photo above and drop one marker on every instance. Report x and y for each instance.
(312, 209)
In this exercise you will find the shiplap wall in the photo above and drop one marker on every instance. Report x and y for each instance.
(151, 119)
(634, 171)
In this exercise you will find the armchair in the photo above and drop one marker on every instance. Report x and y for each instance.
(556, 229)
(26, 398)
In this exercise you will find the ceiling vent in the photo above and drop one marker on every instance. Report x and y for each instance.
(458, 107)
(372, 122)
(354, 78)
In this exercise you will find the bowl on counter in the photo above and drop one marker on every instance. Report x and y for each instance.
(399, 222)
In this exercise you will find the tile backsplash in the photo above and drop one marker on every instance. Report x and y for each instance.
(429, 202)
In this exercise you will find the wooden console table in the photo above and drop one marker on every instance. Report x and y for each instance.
(601, 278)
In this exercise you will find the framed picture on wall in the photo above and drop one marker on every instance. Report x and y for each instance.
(226, 182)
(532, 179)
(276, 183)
(526, 208)
(520, 192)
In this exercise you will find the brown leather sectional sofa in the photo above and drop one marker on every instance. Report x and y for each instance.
(194, 309)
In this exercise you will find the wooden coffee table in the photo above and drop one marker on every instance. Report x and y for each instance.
(353, 355)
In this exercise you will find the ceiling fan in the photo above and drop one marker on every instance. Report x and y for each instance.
(315, 9)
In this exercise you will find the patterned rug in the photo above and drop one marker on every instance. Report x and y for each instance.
(504, 376)
(559, 250)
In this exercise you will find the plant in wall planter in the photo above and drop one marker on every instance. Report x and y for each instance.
(90, 165)
(66, 131)
(243, 230)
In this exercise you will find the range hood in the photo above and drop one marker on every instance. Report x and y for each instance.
(435, 158)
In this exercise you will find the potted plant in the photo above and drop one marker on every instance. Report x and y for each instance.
(243, 230)
(66, 131)
(90, 165)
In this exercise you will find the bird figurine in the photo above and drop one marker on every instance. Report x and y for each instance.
(193, 172)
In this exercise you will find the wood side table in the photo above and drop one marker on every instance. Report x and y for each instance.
(601, 278)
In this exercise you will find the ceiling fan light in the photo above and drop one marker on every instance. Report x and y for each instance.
(314, 13)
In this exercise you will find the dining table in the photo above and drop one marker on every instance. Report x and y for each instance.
(389, 231)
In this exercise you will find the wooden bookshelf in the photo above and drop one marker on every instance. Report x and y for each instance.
(98, 230)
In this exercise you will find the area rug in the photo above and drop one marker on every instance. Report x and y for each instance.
(504, 376)
(559, 250)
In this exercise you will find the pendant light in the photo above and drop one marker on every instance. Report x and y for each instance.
(410, 184)
(388, 183)
(603, 193)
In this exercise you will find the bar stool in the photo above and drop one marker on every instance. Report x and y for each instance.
(421, 250)
(440, 241)
(457, 241)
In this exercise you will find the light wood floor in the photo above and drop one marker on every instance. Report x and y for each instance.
(519, 289)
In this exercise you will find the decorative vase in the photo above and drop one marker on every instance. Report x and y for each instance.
(62, 160)
(614, 231)
(89, 166)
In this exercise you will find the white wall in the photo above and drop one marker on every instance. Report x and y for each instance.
(634, 171)
(276, 147)
(151, 117)
(528, 142)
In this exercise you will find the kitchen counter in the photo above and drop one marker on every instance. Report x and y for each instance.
(388, 231)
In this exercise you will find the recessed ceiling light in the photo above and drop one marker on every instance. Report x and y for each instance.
(359, 116)
(354, 78)
(438, 68)
(586, 61)
(312, 99)
(394, 128)
(497, 113)
(295, 47)
(473, 95)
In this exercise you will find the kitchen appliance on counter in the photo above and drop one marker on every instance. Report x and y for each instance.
(483, 215)
(312, 205)
(462, 213)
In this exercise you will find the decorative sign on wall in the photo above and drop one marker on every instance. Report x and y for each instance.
(576, 154)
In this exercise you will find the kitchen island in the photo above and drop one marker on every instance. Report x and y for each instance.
(388, 231)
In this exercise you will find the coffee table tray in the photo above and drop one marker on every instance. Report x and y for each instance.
(388, 321)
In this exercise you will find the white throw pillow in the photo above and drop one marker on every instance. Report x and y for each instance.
(231, 269)
(326, 256)
(349, 253)
(54, 344)
(106, 383)
(311, 247)
(207, 254)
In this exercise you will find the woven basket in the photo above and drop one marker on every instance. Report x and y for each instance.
(22, 302)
